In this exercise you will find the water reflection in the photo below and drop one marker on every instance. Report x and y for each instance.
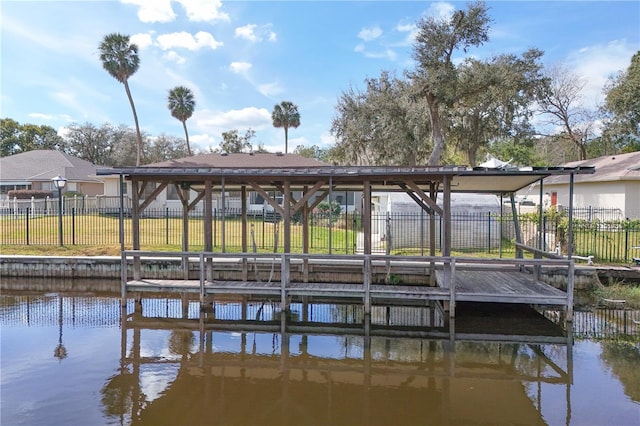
(327, 364)
(244, 362)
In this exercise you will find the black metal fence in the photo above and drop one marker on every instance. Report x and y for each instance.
(608, 241)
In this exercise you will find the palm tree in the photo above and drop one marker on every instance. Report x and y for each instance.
(286, 115)
(120, 58)
(181, 104)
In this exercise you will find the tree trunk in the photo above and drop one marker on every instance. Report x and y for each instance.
(135, 119)
(436, 131)
(286, 139)
(186, 135)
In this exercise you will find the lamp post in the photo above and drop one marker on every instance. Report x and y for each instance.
(59, 182)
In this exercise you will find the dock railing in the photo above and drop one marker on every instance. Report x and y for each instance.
(378, 270)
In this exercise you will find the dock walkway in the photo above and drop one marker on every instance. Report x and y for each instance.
(445, 280)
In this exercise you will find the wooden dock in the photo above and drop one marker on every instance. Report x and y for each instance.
(445, 280)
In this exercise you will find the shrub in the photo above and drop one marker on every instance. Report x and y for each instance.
(26, 194)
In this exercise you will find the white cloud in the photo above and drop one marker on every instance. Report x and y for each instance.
(255, 33)
(383, 54)
(368, 34)
(141, 40)
(269, 89)
(150, 11)
(327, 139)
(41, 116)
(172, 56)
(596, 63)
(440, 10)
(240, 67)
(216, 122)
(204, 10)
(185, 40)
(412, 31)
(247, 32)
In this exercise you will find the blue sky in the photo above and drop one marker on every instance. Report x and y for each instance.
(241, 58)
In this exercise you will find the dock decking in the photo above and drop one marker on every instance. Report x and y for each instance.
(513, 281)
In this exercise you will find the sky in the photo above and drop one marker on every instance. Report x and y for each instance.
(241, 58)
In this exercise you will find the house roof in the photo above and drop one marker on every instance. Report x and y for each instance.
(270, 170)
(42, 165)
(619, 167)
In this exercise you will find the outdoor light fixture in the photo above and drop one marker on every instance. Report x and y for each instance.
(59, 182)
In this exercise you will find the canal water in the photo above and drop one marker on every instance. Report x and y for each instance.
(72, 359)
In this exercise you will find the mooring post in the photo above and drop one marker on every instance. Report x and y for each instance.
(202, 280)
(367, 284)
(123, 278)
(452, 288)
(570, 286)
(284, 281)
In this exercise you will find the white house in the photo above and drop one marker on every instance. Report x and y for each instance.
(614, 185)
(475, 220)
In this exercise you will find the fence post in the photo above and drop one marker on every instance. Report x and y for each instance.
(27, 225)
(73, 226)
(626, 240)
(166, 221)
(489, 232)
(422, 232)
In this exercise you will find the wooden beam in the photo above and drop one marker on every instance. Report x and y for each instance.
(308, 193)
(192, 205)
(415, 188)
(320, 199)
(153, 195)
(274, 203)
(417, 199)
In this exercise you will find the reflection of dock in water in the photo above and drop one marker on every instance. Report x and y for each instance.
(399, 365)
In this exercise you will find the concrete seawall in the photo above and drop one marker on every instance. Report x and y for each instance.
(108, 267)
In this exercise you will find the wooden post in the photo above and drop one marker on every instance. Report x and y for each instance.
(516, 225)
(452, 288)
(185, 230)
(570, 231)
(446, 208)
(570, 286)
(330, 214)
(202, 280)
(287, 217)
(208, 231)
(366, 219)
(224, 214)
(367, 284)
(123, 278)
(541, 218)
(135, 225)
(284, 280)
(243, 201)
(305, 237)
